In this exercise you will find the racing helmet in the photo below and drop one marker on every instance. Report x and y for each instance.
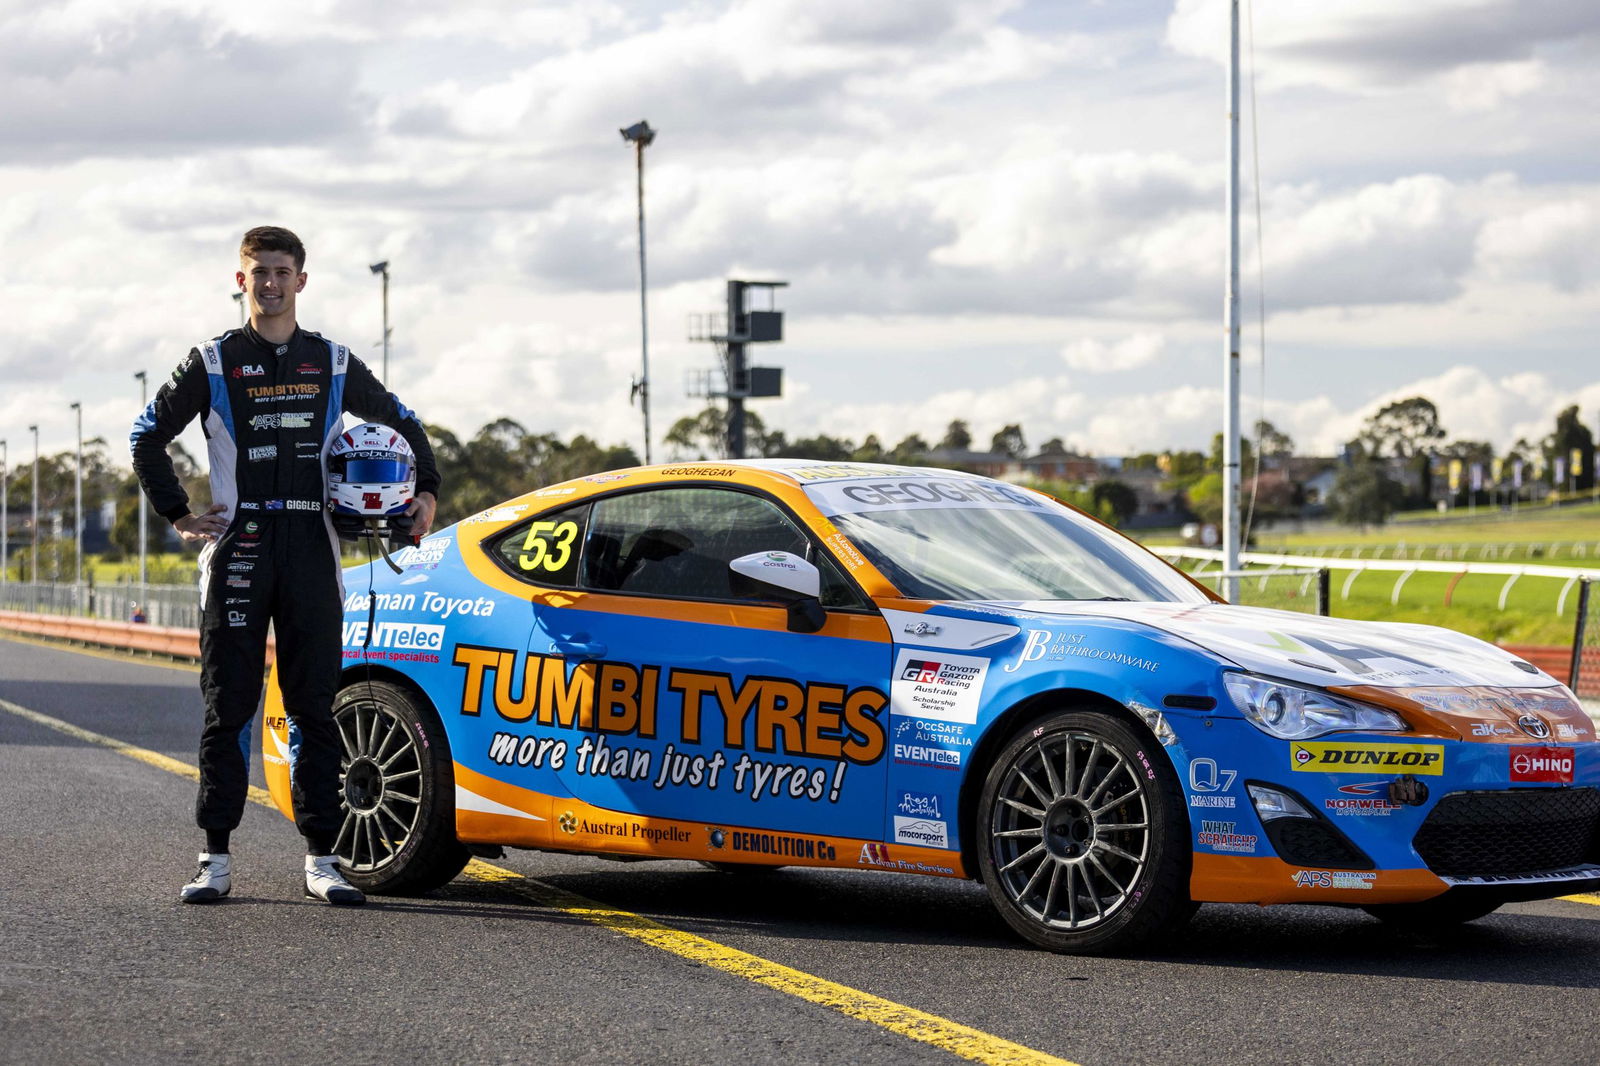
(372, 472)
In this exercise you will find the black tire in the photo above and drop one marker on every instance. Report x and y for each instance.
(397, 792)
(1440, 912)
(1083, 838)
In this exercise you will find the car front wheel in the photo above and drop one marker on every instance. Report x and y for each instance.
(397, 792)
(1082, 836)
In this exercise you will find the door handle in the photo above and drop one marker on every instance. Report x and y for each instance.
(578, 649)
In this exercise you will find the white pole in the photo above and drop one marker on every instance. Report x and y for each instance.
(5, 513)
(33, 565)
(1230, 424)
(139, 500)
(386, 327)
(77, 515)
(644, 319)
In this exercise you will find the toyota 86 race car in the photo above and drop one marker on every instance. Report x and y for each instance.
(792, 663)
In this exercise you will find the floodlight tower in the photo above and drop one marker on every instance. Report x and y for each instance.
(640, 135)
(383, 268)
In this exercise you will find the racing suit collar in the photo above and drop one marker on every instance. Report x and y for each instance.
(265, 345)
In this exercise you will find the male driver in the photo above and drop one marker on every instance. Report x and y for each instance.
(271, 397)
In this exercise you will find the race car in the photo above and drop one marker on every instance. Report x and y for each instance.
(910, 670)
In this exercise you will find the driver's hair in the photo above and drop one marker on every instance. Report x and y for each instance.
(272, 239)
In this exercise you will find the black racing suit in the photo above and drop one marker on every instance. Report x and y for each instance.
(270, 413)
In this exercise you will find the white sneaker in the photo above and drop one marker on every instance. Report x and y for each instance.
(324, 881)
(212, 882)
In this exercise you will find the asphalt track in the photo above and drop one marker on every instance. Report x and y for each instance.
(547, 958)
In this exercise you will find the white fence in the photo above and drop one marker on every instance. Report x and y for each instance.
(1402, 568)
(164, 605)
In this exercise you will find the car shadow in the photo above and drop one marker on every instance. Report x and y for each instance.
(901, 912)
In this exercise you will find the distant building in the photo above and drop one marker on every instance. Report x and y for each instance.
(1061, 466)
(989, 464)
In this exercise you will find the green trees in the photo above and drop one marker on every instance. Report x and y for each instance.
(1363, 495)
(503, 460)
(1571, 435)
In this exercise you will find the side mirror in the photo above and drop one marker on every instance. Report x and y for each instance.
(784, 578)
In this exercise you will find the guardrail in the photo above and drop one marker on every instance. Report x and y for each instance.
(177, 641)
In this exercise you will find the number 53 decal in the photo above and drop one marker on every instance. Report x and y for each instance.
(548, 545)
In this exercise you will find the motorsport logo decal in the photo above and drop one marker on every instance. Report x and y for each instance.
(924, 832)
(1323, 757)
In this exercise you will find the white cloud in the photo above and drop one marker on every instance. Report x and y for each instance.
(1375, 46)
(1556, 242)
(975, 214)
(1103, 357)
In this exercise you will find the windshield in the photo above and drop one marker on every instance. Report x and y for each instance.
(956, 538)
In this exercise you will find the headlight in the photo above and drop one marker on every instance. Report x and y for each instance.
(1295, 713)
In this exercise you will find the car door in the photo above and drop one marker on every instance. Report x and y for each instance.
(690, 703)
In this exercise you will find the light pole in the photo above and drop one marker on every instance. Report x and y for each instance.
(33, 564)
(238, 298)
(138, 499)
(5, 513)
(641, 135)
(77, 513)
(383, 268)
(1230, 350)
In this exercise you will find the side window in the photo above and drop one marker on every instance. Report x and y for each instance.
(678, 542)
(545, 551)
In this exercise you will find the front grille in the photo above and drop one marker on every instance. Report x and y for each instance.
(1303, 842)
(1517, 831)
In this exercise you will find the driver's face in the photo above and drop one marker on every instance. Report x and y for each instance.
(270, 282)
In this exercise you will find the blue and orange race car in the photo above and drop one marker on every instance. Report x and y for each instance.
(791, 663)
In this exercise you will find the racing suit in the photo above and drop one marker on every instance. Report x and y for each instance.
(270, 414)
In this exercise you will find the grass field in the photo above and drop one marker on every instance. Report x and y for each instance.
(1568, 537)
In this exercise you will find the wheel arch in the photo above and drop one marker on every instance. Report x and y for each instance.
(354, 676)
(1036, 706)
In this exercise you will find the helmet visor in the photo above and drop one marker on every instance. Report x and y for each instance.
(376, 471)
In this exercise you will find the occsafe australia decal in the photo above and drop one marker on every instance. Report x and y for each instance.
(636, 721)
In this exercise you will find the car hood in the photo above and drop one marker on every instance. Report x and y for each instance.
(1310, 648)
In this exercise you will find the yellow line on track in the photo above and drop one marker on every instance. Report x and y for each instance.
(144, 755)
(1592, 900)
(931, 1029)
(909, 1022)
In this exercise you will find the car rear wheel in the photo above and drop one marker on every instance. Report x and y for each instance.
(396, 791)
(1439, 912)
(1082, 836)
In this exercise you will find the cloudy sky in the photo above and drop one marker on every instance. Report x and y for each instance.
(996, 210)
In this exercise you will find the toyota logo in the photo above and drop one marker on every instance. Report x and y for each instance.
(1533, 727)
